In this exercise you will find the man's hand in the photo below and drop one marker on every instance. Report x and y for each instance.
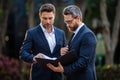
(64, 50)
(59, 68)
(39, 55)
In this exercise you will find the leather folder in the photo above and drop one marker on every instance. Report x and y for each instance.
(65, 60)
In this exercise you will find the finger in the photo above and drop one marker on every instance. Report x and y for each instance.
(40, 55)
(60, 67)
(63, 53)
(67, 46)
(51, 67)
(34, 59)
(66, 50)
(59, 64)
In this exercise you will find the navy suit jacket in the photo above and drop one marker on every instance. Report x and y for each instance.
(84, 43)
(34, 43)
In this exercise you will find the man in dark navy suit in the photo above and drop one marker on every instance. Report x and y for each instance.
(43, 39)
(84, 44)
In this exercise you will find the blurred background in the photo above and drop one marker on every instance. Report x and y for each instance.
(102, 16)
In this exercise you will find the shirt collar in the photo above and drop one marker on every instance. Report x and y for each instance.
(80, 26)
(44, 30)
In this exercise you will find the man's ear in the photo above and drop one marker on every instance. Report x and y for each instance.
(79, 18)
(39, 14)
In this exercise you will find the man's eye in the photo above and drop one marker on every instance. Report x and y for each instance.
(50, 18)
(68, 22)
(45, 18)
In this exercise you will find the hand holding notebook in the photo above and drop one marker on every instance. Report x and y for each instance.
(65, 60)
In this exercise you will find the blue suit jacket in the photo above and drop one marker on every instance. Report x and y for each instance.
(34, 43)
(84, 44)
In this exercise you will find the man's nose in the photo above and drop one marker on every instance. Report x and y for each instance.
(48, 21)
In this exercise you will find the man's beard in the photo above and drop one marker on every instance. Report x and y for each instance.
(73, 28)
(47, 25)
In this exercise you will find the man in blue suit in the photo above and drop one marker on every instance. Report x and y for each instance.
(44, 39)
(84, 44)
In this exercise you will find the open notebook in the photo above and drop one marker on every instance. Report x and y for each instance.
(65, 60)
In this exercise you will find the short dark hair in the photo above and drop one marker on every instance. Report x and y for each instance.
(47, 8)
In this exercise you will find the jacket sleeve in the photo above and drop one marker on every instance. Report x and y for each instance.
(25, 52)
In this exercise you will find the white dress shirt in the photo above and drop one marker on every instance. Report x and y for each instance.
(50, 37)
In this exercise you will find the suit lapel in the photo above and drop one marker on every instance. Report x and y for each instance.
(71, 39)
(56, 38)
(77, 35)
(45, 42)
